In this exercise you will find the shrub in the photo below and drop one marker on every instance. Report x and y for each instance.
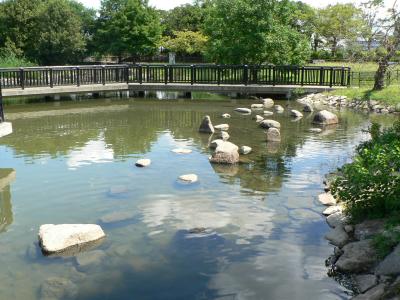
(369, 187)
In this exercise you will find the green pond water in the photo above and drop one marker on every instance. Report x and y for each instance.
(73, 162)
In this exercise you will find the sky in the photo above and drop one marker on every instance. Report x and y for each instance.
(168, 4)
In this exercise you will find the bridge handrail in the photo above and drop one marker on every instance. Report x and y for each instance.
(50, 76)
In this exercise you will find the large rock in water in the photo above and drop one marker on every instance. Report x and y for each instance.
(225, 153)
(58, 238)
(325, 117)
(243, 110)
(296, 114)
(268, 102)
(206, 125)
(270, 124)
(273, 135)
(357, 257)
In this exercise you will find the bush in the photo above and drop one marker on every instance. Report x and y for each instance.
(369, 187)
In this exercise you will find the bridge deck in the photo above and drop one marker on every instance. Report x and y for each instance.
(94, 88)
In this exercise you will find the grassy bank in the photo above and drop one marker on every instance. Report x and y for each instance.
(356, 66)
(13, 62)
(389, 95)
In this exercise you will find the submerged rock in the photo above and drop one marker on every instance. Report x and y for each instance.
(315, 130)
(225, 153)
(224, 127)
(141, 163)
(206, 125)
(245, 150)
(325, 117)
(273, 135)
(357, 257)
(89, 259)
(182, 151)
(188, 178)
(117, 216)
(270, 124)
(58, 238)
(58, 288)
(243, 110)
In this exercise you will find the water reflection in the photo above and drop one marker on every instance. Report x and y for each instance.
(6, 215)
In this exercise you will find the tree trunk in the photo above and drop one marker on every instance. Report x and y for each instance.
(380, 74)
(334, 47)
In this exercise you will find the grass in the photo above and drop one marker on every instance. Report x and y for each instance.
(389, 95)
(356, 66)
(12, 62)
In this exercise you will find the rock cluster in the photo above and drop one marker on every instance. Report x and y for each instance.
(313, 100)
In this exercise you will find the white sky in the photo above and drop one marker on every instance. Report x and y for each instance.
(168, 4)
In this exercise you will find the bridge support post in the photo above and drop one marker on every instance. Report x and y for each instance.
(188, 95)
(5, 127)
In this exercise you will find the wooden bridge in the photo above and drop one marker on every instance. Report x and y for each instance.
(249, 79)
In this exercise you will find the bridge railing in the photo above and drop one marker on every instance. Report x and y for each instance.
(178, 74)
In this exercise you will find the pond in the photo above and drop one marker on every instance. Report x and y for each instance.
(252, 231)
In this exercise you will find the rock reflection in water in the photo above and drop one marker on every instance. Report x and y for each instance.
(6, 215)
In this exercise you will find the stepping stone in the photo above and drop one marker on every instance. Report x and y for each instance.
(189, 178)
(182, 151)
(141, 163)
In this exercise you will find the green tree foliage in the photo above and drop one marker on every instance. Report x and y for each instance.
(339, 22)
(127, 27)
(187, 17)
(370, 186)
(253, 32)
(185, 42)
(49, 32)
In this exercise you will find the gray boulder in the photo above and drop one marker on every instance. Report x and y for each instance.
(325, 117)
(225, 153)
(270, 124)
(368, 229)
(206, 125)
(365, 282)
(336, 219)
(390, 266)
(375, 293)
(273, 135)
(337, 236)
(357, 257)
(308, 108)
(58, 288)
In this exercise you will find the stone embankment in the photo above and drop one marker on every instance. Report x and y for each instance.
(355, 255)
(317, 100)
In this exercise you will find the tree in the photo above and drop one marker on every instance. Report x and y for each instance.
(390, 42)
(339, 22)
(186, 42)
(62, 42)
(254, 32)
(187, 17)
(127, 27)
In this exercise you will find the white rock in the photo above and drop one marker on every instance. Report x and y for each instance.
(245, 150)
(225, 153)
(336, 219)
(215, 143)
(296, 114)
(268, 113)
(188, 178)
(257, 106)
(315, 130)
(279, 108)
(226, 116)
(57, 238)
(273, 135)
(224, 127)
(5, 128)
(268, 102)
(332, 210)
(337, 236)
(143, 163)
(327, 199)
(243, 110)
(182, 151)
(258, 118)
(223, 135)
